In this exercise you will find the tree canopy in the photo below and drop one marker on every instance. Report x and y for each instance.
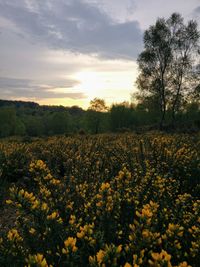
(169, 64)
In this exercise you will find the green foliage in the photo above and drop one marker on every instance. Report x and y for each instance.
(122, 116)
(47, 121)
(13, 162)
(7, 121)
(57, 123)
(20, 128)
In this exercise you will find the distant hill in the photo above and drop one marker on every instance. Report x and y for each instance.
(18, 104)
(74, 110)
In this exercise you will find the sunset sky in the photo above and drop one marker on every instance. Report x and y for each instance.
(66, 52)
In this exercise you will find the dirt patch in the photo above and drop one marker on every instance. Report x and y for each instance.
(7, 218)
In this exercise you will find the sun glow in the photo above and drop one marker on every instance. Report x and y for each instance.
(111, 86)
(90, 82)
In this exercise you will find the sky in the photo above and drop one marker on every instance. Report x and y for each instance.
(67, 52)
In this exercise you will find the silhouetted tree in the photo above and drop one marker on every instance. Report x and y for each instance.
(122, 116)
(166, 65)
(94, 114)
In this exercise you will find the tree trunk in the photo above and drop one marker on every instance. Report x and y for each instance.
(175, 104)
(97, 127)
(163, 99)
(162, 120)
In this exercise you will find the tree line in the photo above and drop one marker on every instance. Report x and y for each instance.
(22, 119)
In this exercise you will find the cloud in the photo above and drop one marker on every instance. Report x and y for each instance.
(118, 10)
(16, 88)
(196, 15)
(197, 10)
(73, 25)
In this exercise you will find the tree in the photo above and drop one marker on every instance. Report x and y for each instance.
(57, 123)
(34, 125)
(20, 128)
(98, 105)
(122, 116)
(167, 63)
(95, 114)
(7, 121)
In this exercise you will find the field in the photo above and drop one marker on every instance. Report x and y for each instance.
(106, 200)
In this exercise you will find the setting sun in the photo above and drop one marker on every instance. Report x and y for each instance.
(112, 86)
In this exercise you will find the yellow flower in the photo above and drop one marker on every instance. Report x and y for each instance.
(147, 213)
(55, 181)
(38, 259)
(91, 259)
(44, 206)
(184, 264)
(60, 220)
(14, 235)
(9, 201)
(145, 233)
(52, 216)
(172, 227)
(105, 186)
(161, 258)
(32, 231)
(70, 243)
(155, 256)
(100, 256)
(72, 219)
(80, 234)
(119, 249)
(177, 244)
(36, 204)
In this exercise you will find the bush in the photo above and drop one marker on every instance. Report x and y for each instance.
(120, 201)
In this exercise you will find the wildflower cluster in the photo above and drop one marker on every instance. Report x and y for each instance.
(106, 201)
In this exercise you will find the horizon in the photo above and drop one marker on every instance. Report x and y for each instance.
(69, 52)
(64, 106)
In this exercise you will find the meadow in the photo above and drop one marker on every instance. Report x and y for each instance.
(106, 200)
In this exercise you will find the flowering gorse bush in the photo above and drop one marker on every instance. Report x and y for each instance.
(108, 202)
